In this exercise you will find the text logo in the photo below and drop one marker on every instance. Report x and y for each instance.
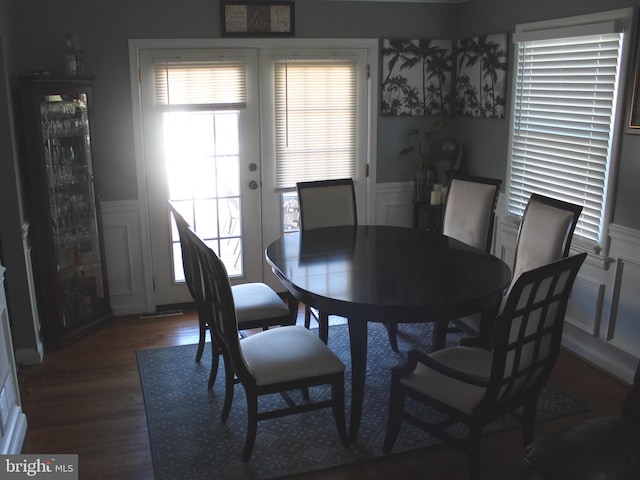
(50, 467)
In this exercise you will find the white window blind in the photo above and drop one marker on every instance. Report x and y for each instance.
(219, 84)
(315, 115)
(564, 110)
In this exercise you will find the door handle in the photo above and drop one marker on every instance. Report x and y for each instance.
(253, 185)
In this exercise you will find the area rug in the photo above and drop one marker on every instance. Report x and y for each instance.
(188, 440)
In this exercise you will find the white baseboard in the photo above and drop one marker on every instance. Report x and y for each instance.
(598, 353)
(29, 356)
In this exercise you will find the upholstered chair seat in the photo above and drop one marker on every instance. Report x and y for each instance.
(460, 395)
(287, 355)
(255, 302)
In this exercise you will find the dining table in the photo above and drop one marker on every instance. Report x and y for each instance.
(387, 274)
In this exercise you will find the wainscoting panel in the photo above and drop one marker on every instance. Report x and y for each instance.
(624, 324)
(585, 306)
(123, 252)
(119, 264)
(394, 204)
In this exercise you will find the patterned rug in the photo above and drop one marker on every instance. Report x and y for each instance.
(188, 440)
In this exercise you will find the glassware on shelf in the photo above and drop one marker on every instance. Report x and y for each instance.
(72, 285)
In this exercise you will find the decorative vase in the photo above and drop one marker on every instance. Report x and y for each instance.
(425, 178)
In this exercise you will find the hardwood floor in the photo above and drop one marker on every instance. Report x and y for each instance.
(86, 399)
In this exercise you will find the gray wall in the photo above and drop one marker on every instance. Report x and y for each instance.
(32, 34)
(105, 28)
(11, 215)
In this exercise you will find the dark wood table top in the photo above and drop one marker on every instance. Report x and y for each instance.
(390, 274)
(386, 274)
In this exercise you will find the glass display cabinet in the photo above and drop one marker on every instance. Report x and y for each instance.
(64, 210)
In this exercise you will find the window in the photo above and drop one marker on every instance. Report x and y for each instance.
(565, 104)
(319, 109)
(315, 115)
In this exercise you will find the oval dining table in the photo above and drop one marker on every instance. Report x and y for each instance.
(386, 274)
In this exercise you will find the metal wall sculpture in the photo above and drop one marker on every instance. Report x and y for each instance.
(416, 77)
(481, 74)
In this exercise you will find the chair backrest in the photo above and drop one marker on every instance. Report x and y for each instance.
(470, 209)
(189, 261)
(526, 338)
(545, 232)
(219, 306)
(327, 203)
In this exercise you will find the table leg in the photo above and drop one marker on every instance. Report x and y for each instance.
(293, 304)
(440, 334)
(358, 342)
(323, 326)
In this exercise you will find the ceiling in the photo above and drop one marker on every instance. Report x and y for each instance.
(406, 1)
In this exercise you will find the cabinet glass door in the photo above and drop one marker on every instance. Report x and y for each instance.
(65, 133)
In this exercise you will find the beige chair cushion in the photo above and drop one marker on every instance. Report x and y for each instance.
(542, 238)
(457, 394)
(255, 301)
(330, 206)
(468, 212)
(287, 353)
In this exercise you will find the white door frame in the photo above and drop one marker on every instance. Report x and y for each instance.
(137, 45)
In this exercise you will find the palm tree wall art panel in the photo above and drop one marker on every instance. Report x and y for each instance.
(481, 78)
(416, 77)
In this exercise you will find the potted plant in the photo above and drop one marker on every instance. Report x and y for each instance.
(422, 143)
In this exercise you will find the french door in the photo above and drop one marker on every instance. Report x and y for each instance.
(214, 155)
(201, 133)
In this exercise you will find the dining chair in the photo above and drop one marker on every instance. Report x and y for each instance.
(544, 236)
(469, 209)
(473, 386)
(257, 305)
(278, 360)
(325, 203)
(468, 216)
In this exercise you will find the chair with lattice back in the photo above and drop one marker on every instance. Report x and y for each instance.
(474, 385)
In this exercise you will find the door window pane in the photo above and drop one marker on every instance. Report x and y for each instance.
(203, 174)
